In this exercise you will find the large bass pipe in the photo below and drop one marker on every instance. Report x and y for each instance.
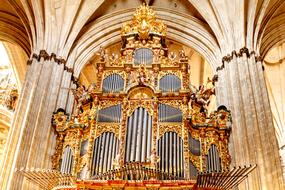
(139, 135)
(144, 137)
(106, 146)
(134, 135)
(149, 135)
(175, 153)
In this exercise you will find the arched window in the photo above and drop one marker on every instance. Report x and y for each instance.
(113, 83)
(170, 83)
(170, 151)
(143, 56)
(139, 129)
(110, 114)
(105, 149)
(168, 113)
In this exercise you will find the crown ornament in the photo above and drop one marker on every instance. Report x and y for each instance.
(143, 24)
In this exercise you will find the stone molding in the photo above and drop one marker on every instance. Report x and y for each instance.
(47, 57)
(244, 50)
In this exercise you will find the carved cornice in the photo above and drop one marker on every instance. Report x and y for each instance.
(57, 59)
(228, 58)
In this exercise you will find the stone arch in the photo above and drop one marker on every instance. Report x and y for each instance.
(181, 28)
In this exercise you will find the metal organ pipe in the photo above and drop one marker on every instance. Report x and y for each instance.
(171, 152)
(139, 134)
(98, 154)
(144, 137)
(175, 155)
(170, 147)
(163, 146)
(110, 153)
(63, 161)
(139, 130)
(107, 144)
(134, 135)
(182, 159)
(113, 83)
(104, 151)
(129, 138)
(67, 160)
(149, 136)
(213, 159)
(170, 83)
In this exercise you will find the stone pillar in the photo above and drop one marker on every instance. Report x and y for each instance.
(31, 140)
(282, 157)
(241, 87)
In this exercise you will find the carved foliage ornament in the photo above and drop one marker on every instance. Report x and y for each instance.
(143, 23)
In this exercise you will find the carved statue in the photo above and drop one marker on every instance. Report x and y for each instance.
(201, 96)
(102, 54)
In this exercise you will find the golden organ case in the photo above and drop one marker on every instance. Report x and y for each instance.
(142, 123)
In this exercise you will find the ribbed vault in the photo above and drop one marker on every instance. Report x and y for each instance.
(75, 30)
(106, 31)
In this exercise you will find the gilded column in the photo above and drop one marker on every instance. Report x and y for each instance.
(92, 134)
(185, 133)
(122, 134)
(154, 133)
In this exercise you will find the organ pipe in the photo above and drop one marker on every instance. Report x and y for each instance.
(104, 151)
(139, 134)
(139, 123)
(113, 83)
(110, 114)
(170, 83)
(170, 147)
(67, 161)
(144, 138)
(213, 160)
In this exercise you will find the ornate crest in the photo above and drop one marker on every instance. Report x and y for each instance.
(144, 23)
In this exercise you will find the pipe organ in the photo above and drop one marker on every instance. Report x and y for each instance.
(142, 118)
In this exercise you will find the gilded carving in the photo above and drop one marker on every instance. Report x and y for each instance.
(142, 90)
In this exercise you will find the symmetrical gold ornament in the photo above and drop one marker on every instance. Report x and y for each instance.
(141, 88)
(144, 23)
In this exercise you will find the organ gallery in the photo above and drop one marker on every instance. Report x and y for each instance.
(142, 124)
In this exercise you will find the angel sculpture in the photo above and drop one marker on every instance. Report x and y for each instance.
(102, 53)
(182, 56)
(201, 96)
(113, 59)
(78, 92)
(171, 56)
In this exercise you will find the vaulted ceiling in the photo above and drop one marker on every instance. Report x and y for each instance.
(213, 28)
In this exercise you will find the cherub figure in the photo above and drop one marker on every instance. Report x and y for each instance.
(201, 96)
(113, 59)
(182, 56)
(171, 56)
(102, 53)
